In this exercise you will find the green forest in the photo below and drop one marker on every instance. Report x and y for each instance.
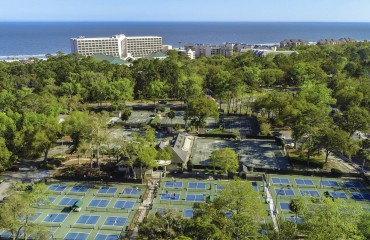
(298, 91)
(321, 93)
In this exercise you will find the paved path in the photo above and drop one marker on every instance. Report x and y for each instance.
(144, 208)
(270, 201)
(28, 173)
(345, 163)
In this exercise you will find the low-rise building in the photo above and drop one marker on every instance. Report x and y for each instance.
(111, 59)
(293, 42)
(208, 50)
(188, 52)
(157, 55)
(181, 148)
(242, 47)
(263, 53)
(332, 41)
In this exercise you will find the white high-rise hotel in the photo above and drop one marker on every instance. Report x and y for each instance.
(117, 45)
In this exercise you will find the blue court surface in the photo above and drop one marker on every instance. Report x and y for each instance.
(109, 190)
(68, 201)
(56, 217)
(255, 186)
(360, 196)
(304, 182)
(338, 195)
(312, 193)
(99, 203)
(76, 236)
(172, 184)
(170, 196)
(297, 220)
(284, 192)
(106, 237)
(34, 217)
(115, 221)
(79, 189)
(5, 234)
(194, 198)
(329, 183)
(218, 188)
(284, 181)
(285, 206)
(132, 191)
(196, 185)
(188, 213)
(44, 202)
(124, 204)
(87, 219)
(353, 185)
(57, 187)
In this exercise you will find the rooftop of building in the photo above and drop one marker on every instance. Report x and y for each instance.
(110, 59)
(157, 55)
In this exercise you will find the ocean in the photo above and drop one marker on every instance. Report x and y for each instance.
(39, 38)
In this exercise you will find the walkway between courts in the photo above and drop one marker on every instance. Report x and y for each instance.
(144, 208)
(270, 201)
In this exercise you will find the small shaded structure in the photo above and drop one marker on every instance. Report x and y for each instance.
(210, 199)
(77, 206)
(328, 194)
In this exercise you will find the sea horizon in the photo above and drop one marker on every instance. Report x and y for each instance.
(42, 37)
(164, 21)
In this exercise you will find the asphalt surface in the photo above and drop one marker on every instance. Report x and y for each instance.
(28, 172)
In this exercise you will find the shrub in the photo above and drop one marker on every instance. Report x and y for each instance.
(265, 128)
(154, 122)
(336, 172)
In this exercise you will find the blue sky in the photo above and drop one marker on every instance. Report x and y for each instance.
(186, 10)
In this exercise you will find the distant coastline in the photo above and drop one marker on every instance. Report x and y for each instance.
(39, 38)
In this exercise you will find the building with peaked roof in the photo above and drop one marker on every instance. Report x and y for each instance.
(293, 42)
(264, 53)
(334, 41)
(181, 148)
(157, 55)
(111, 59)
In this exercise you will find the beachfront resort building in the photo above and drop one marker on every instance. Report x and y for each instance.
(138, 47)
(111, 46)
(118, 46)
